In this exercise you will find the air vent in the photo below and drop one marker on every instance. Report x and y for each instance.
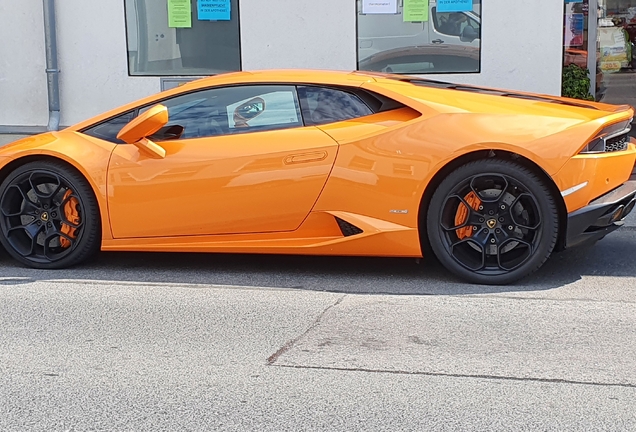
(619, 143)
(347, 229)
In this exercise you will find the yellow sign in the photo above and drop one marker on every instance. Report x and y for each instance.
(180, 13)
(610, 66)
(415, 10)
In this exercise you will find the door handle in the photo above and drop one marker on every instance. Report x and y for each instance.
(305, 157)
(438, 41)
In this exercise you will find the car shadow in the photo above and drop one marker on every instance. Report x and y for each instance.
(353, 275)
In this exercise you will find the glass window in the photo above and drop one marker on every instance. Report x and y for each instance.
(109, 129)
(182, 37)
(322, 105)
(454, 23)
(231, 110)
(397, 40)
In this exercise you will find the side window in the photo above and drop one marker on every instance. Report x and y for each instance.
(232, 110)
(453, 23)
(322, 105)
(109, 129)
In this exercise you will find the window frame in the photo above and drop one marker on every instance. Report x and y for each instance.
(357, 41)
(178, 75)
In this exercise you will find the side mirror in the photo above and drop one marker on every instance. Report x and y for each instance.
(247, 111)
(469, 34)
(145, 125)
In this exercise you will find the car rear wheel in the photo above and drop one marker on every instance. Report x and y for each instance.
(49, 216)
(492, 221)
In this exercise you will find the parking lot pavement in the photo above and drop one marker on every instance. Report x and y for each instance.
(222, 342)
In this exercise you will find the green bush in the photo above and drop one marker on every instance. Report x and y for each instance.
(576, 82)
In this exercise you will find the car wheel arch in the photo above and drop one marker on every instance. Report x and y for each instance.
(453, 164)
(23, 160)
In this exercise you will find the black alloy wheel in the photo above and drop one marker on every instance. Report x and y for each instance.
(49, 216)
(492, 221)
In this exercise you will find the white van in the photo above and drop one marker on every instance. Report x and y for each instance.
(447, 42)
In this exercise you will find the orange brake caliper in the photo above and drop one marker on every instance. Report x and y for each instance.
(72, 215)
(462, 214)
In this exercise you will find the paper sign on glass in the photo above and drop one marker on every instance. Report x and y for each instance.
(415, 10)
(379, 6)
(454, 5)
(574, 26)
(217, 10)
(179, 13)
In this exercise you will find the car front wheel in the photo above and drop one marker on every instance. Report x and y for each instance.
(49, 216)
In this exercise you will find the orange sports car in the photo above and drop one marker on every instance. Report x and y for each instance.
(488, 181)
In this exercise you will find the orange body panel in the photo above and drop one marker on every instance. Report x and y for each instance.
(261, 182)
(285, 191)
(88, 155)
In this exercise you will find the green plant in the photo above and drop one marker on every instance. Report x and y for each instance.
(576, 82)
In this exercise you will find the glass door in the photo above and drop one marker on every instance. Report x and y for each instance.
(580, 43)
(616, 37)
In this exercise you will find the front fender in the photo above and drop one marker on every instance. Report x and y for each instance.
(87, 155)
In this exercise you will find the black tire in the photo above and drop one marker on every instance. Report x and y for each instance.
(492, 222)
(37, 202)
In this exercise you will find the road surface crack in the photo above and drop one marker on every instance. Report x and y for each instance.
(451, 375)
(282, 350)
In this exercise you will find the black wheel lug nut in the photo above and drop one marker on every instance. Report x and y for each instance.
(497, 230)
(54, 214)
(492, 240)
(481, 219)
(503, 207)
(510, 227)
(491, 212)
(38, 223)
(501, 220)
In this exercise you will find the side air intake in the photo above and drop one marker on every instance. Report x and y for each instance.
(347, 229)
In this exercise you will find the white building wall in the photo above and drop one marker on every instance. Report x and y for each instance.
(521, 49)
(23, 94)
(94, 59)
(522, 46)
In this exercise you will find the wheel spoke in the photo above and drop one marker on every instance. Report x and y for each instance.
(536, 214)
(27, 207)
(472, 216)
(463, 259)
(489, 178)
(521, 259)
(32, 229)
(46, 180)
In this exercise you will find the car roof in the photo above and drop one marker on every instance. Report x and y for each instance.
(292, 76)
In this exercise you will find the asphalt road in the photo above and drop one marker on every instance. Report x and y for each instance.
(273, 343)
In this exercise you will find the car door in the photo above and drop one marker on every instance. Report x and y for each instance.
(243, 163)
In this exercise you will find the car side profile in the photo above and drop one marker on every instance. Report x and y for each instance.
(490, 182)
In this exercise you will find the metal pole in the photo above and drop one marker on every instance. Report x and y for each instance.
(592, 44)
(52, 71)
